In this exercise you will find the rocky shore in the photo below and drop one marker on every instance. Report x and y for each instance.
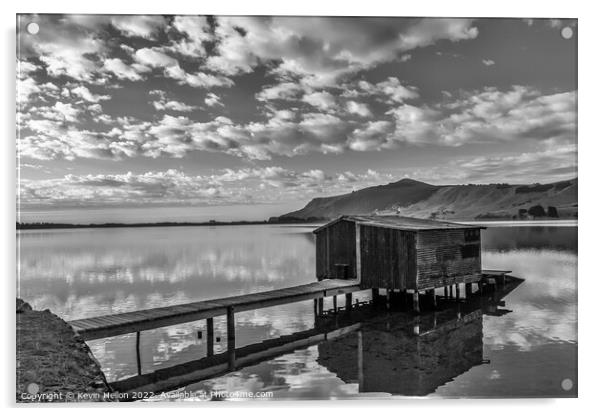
(54, 364)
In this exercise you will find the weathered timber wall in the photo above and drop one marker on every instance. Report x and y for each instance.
(447, 257)
(336, 245)
(388, 258)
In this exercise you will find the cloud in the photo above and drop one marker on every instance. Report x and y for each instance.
(171, 69)
(213, 100)
(390, 89)
(139, 25)
(282, 91)
(322, 100)
(85, 94)
(552, 162)
(320, 50)
(360, 109)
(227, 186)
(174, 106)
(488, 62)
(118, 68)
(489, 115)
(196, 31)
(154, 58)
(371, 136)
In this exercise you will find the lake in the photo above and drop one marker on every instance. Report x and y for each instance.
(524, 345)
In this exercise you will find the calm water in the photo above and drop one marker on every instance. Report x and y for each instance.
(525, 345)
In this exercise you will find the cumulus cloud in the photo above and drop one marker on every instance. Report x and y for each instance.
(139, 25)
(121, 70)
(322, 100)
(282, 91)
(85, 94)
(213, 100)
(154, 58)
(488, 62)
(488, 115)
(172, 186)
(360, 109)
(195, 31)
(320, 50)
(391, 89)
(552, 162)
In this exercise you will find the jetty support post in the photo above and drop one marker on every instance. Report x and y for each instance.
(138, 362)
(320, 306)
(360, 360)
(348, 301)
(334, 304)
(388, 299)
(231, 338)
(468, 289)
(374, 296)
(457, 291)
(433, 295)
(445, 292)
(416, 301)
(209, 337)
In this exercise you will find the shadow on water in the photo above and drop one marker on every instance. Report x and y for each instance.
(382, 351)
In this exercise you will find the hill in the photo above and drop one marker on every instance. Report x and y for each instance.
(421, 200)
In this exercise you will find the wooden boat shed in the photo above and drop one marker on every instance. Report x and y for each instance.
(398, 253)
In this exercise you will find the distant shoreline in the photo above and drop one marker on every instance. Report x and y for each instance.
(51, 226)
(58, 226)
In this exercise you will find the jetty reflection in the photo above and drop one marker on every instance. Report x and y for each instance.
(392, 352)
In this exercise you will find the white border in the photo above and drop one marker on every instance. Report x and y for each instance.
(590, 152)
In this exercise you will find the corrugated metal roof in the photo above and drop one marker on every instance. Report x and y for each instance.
(400, 223)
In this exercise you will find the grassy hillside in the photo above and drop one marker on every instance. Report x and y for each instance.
(418, 199)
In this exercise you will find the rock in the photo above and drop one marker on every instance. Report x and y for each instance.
(23, 306)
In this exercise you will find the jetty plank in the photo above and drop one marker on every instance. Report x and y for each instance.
(127, 322)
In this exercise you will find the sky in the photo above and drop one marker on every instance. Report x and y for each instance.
(166, 118)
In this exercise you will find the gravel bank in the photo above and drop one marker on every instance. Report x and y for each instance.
(53, 363)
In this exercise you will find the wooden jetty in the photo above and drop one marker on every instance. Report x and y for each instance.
(128, 322)
(447, 341)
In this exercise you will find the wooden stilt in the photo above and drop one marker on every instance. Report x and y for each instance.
(433, 294)
(468, 289)
(457, 291)
(416, 301)
(316, 307)
(348, 301)
(138, 361)
(388, 299)
(334, 304)
(360, 360)
(375, 296)
(320, 306)
(445, 293)
(480, 284)
(209, 337)
(231, 338)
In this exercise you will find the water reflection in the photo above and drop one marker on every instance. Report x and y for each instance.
(395, 353)
(82, 273)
